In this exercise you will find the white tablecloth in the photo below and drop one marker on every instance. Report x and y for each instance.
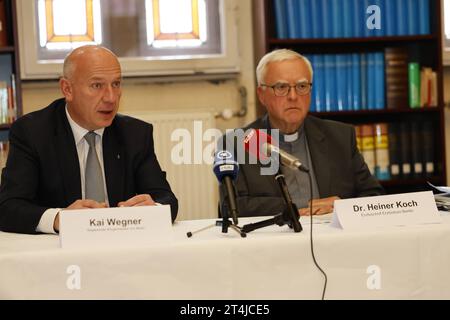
(271, 263)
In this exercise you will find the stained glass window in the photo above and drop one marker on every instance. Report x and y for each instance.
(151, 37)
(176, 23)
(65, 24)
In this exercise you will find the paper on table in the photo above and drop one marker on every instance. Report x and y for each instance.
(443, 189)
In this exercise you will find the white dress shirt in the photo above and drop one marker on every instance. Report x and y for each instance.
(46, 223)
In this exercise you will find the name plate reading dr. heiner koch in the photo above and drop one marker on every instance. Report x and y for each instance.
(115, 227)
(384, 211)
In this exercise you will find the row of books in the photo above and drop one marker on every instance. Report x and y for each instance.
(345, 82)
(422, 86)
(8, 102)
(408, 84)
(398, 150)
(303, 19)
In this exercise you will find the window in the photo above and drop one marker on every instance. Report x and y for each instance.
(168, 28)
(151, 37)
(64, 25)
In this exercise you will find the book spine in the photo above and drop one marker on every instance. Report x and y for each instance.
(428, 148)
(396, 78)
(319, 83)
(382, 151)
(394, 151)
(433, 90)
(390, 17)
(312, 104)
(316, 19)
(326, 19)
(405, 150)
(347, 19)
(356, 85)
(371, 81)
(14, 97)
(412, 18)
(381, 31)
(416, 150)
(363, 77)
(401, 18)
(358, 138)
(358, 19)
(424, 17)
(341, 83)
(336, 16)
(350, 81)
(3, 102)
(304, 14)
(10, 112)
(280, 18)
(380, 93)
(292, 19)
(414, 84)
(329, 76)
(368, 146)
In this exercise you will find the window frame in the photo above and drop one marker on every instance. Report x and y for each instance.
(225, 63)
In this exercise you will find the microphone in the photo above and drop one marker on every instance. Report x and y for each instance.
(226, 170)
(287, 159)
(260, 145)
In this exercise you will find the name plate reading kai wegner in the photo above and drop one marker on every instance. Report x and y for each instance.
(386, 211)
(115, 227)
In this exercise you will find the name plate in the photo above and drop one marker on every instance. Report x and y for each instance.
(115, 227)
(384, 211)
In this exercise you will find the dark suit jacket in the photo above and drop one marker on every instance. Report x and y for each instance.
(338, 166)
(43, 170)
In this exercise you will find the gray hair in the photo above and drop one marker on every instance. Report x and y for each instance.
(279, 55)
(68, 67)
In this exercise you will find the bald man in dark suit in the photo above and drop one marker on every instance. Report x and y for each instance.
(48, 162)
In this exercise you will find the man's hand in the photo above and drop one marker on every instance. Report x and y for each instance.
(79, 204)
(319, 206)
(137, 201)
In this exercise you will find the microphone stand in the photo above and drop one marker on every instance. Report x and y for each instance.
(292, 211)
(225, 223)
(289, 215)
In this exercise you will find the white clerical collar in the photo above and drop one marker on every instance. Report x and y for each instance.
(290, 137)
(78, 131)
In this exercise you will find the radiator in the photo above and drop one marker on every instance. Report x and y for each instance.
(194, 184)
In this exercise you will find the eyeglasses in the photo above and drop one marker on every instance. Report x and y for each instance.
(283, 89)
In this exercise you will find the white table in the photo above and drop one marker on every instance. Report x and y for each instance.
(271, 263)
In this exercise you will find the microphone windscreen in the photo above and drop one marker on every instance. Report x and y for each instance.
(254, 142)
(225, 165)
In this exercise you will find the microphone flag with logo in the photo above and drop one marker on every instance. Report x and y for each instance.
(226, 170)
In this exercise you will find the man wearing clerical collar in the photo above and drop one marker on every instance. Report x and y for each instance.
(327, 148)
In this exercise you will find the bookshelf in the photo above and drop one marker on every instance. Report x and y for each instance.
(426, 49)
(10, 86)
(9, 63)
